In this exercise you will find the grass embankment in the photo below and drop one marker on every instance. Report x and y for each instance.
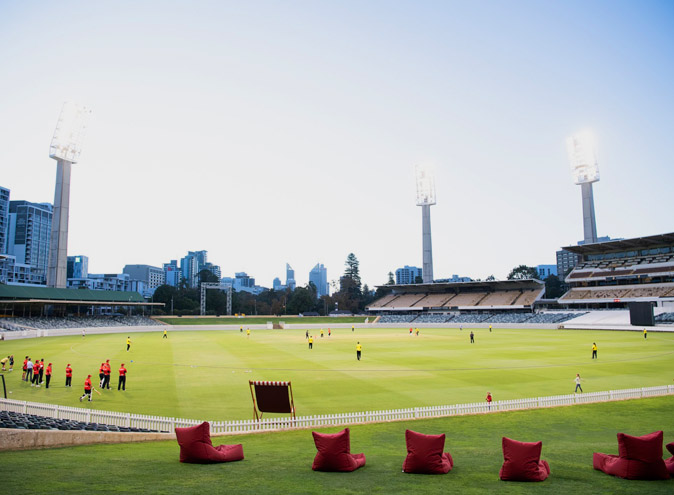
(262, 320)
(280, 463)
(204, 375)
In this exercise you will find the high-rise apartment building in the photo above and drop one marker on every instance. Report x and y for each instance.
(29, 234)
(319, 277)
(78, 267)
(4, 218)
(172, 273)
(408, 275)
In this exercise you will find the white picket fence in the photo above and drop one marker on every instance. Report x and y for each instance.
(159, 423)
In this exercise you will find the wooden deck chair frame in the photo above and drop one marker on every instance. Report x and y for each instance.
(270, 398)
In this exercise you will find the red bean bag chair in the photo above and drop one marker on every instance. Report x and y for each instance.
(639, 458)
(669, 463)
(196, 447)
(522, 461)
(334, 452)
(425, 454)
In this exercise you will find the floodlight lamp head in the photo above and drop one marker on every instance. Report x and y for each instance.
(582, 150)
(67, 141)
(425, 185)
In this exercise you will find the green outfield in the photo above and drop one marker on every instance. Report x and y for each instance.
(204, 374)
(280, 463)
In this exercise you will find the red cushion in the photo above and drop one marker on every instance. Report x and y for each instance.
(629, 468)
(424, 454)
(646, 448)
(522, 461)
(669, 463)
(196, 447)
(334, 452)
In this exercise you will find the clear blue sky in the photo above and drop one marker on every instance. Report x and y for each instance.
(274, 132)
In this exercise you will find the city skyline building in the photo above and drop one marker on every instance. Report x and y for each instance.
(4, 218)
(152, 276)
(78, 266)
(408, 275)
(290, 277)
(319, 277)
(28, 235)
(172, 273)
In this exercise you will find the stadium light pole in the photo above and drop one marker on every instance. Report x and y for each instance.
(582, 150)
(425, 199)
(65, 149)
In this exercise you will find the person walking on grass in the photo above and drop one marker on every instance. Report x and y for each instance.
(594, 350)
(122, 377)
(165, 336)
(578, 387)
(489, 399)
(69, 375)
(472, 337)
(128, 343)
(87, 388)
(311, 341)
(645, 333)
(359, 350)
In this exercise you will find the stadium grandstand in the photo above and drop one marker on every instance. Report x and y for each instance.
(23, 307)
(509, 301)
(610, 275)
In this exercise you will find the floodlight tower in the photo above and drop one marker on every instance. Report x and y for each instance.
(65, 149)
(582, 150)
(425, 199)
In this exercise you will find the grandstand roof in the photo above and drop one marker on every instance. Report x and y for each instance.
(24, 294)
(649, 242)
(527, 283)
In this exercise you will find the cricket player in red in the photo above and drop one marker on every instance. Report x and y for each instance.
(87, 388)
(122, 377)
(69, 376)
(47, 374)
(101, 375)
(106, 371)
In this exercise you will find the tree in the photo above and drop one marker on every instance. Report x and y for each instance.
(352, 269)
(418, 280)
(391, 280)
(553, 287)
(490, 278)
(522, 272)
(302, 299)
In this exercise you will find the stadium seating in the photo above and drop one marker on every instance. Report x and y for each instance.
(639, 458)
(334, 453)
(425, 454)
(665, 318)
(54, 322)
(397, 318)
(22, 421)
(196, 447)
(522, 461)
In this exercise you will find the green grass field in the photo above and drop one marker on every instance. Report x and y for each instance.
(204, 374)
(280, 463)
